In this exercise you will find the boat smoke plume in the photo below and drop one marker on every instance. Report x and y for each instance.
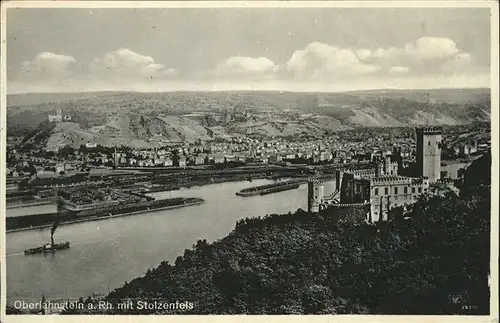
(52, 230)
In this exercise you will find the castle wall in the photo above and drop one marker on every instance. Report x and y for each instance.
(364, 173)
(354, 189)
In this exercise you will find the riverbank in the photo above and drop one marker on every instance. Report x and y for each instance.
(28, 204)
(103, 216)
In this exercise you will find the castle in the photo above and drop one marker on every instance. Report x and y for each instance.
(381, 188)
(58, 117)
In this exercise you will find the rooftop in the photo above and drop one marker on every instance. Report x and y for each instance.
(419, 180)
(391, 179)
(430, 130)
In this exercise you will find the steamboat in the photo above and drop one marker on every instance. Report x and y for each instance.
(47, 248)
(50, 247)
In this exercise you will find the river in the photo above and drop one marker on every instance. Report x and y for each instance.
(106, 253)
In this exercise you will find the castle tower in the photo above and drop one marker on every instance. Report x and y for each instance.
(315, 194)
(390, 167)
(379, 168)
(429, 152)
(387, 164)
(338, 179)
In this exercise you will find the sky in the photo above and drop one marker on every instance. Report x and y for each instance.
(290, 49)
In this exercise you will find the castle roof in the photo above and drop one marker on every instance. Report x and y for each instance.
(391, 179)
(419, 180)
(430, 130)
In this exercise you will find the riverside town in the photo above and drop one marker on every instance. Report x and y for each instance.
(267, 161)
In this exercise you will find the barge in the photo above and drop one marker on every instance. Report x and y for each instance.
(269, 188)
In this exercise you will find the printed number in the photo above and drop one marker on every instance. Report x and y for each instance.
(469, 307)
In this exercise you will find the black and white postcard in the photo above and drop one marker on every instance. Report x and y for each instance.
(330, 160)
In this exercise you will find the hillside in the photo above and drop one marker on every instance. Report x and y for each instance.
(438, 95)
(117, 116)
(441, 95)
(301, 263)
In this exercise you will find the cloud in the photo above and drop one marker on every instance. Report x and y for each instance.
(322, 61)
(426, 55)
(169, 71)
(431, 48)
(246, 66)
(399, 70)
(460, 63)
(47, 66)
(363, 53)
(125, 63)
(426, 62)
(152, 69)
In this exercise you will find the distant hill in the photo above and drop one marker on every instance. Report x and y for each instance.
(112, 116)
(437, 95)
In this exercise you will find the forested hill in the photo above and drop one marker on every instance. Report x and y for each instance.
(437, 262)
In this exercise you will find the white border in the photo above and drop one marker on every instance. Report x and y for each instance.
(493, 5)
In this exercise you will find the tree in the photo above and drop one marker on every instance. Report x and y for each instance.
(83, 149)
(66, 151)
(316, 298)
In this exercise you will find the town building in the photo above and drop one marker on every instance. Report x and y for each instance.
(60, 167)
(199, 160)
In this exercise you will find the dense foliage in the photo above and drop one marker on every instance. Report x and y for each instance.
(433, 261)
